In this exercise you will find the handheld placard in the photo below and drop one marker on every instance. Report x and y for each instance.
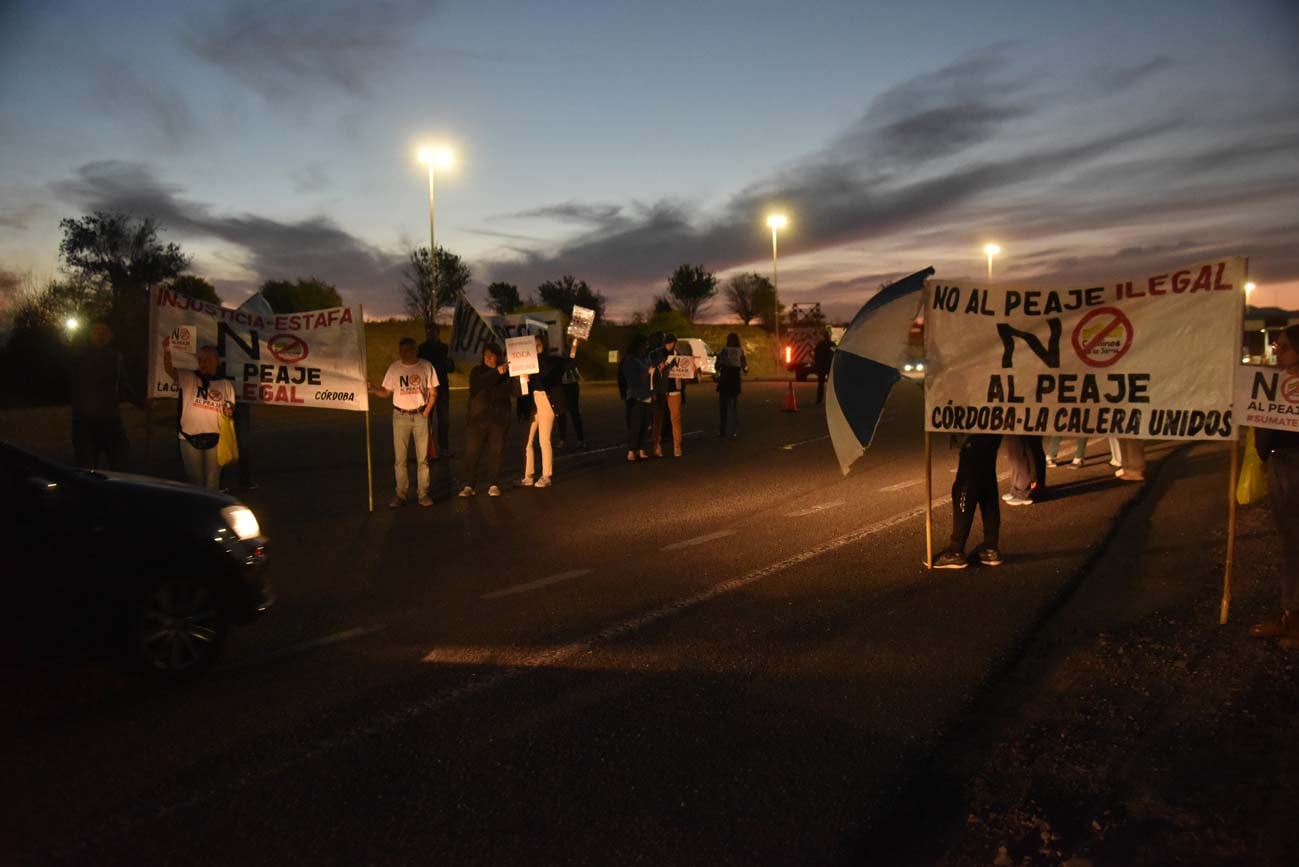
(521, 355)
(579, 326)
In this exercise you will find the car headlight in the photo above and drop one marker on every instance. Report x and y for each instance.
(242, 520)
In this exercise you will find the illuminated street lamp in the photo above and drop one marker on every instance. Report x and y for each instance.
(1249, 289)
(990, 250)
(434, 158)
(71, 324)
(776, 221)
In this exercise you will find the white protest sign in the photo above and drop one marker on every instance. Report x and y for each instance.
(1267, 397)
(1151, 357)
(315, 358)
(683, 367)
(521, 355)
(579, 325)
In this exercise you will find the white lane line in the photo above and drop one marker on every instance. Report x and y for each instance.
(900, 485)
(315, 643)
(819, 507)
(534, 585)
(789, 447)
(697, 540)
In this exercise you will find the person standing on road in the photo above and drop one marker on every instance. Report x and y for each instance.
(547, 392)
(668, 394)
(98, 383)
(975, 487)
(438, 354)
(571, 381)
(1129, 456)
(488, 419)
(413, 385)
(204, 398)
(730, 364)
(634, 372)
(1279, 451)
(1027, 470)
(1053, 451)
(822, 357)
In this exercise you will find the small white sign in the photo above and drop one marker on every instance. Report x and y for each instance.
(184, 339)
(682, 367)
(613, 356)
(521, 355)
(1266, 397)
(580, 323)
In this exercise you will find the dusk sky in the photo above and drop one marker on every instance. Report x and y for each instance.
(614, 141)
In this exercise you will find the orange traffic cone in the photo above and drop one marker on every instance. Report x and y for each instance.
(791, 404)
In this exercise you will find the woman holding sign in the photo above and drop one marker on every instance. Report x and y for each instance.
(547, 392)
(669, 388)
(1279, 451)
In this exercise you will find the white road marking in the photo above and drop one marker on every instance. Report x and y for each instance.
(819, 507)
(534, 585)
(581, 452)
(698, 540)
(789, 447)
(314, 643)
(900, 485)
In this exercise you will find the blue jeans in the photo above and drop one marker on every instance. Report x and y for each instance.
(405, 426)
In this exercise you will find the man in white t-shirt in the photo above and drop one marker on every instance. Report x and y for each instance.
(203, 400)
(413, 385)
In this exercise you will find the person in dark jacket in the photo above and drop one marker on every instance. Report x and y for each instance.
(437, 353)
(975, 488)
(572, 382)
(1279, 451)
(668, 394)
(634, 374)
(730, 364)
(98, 383)
(822, 357)
(488, 419)
(546, 389)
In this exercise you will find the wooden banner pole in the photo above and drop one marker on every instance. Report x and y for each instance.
(369, 462)
(1231, 533)
(929, 503)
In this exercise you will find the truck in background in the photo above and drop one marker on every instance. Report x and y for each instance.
(806, 327)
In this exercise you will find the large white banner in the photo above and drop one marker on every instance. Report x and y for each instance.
(471, 331)
(1153, 357)
(315, 358)
(1267, 397)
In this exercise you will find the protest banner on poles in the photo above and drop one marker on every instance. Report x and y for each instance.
(471, 330)
(1266, 397)
(1148, 358)
(314, 358)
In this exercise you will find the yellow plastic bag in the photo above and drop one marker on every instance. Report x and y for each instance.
(228, 444)
(1252, 484)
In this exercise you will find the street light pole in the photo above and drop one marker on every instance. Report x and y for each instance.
(776, 221)
(433, 158)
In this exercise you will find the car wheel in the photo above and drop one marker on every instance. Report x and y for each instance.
(178, 629)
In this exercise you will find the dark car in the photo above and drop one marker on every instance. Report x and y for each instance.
(157, 569)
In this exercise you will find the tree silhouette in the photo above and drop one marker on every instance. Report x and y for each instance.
(563, 293)
(691, 287)
(504, 297)
(424, 295)
(741, 293)
(309, 294)
(195, 287)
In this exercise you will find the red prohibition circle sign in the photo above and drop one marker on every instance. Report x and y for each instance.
(1102, 337)
(287, 348)
(1290, 389)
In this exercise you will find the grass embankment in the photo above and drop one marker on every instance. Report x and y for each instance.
(593, 356)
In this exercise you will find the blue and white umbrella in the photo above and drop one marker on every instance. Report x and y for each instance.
(866, 365)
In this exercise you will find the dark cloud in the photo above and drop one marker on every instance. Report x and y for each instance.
(275, 249)
(1108, 79)
(284, 49)
(606, 216)
(132, 98)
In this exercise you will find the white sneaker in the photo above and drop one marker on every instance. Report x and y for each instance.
(1076, 464)
(1050, 462)
(467, 491)
(543, 482)
(526, 482)
(493, 491)
(1130, 476)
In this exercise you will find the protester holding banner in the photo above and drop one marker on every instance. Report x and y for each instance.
(204, 398)
(669, 391)
(436, 353)
(488, 419)
(97, 383)
(975, 487)
(730, 364)
(413, 385)
(634, 374)
(1027, 470)
(1279, 451)
(547, 392)
(1129, 456)
(1053, 451)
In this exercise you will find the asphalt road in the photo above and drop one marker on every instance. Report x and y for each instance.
(732, 657)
